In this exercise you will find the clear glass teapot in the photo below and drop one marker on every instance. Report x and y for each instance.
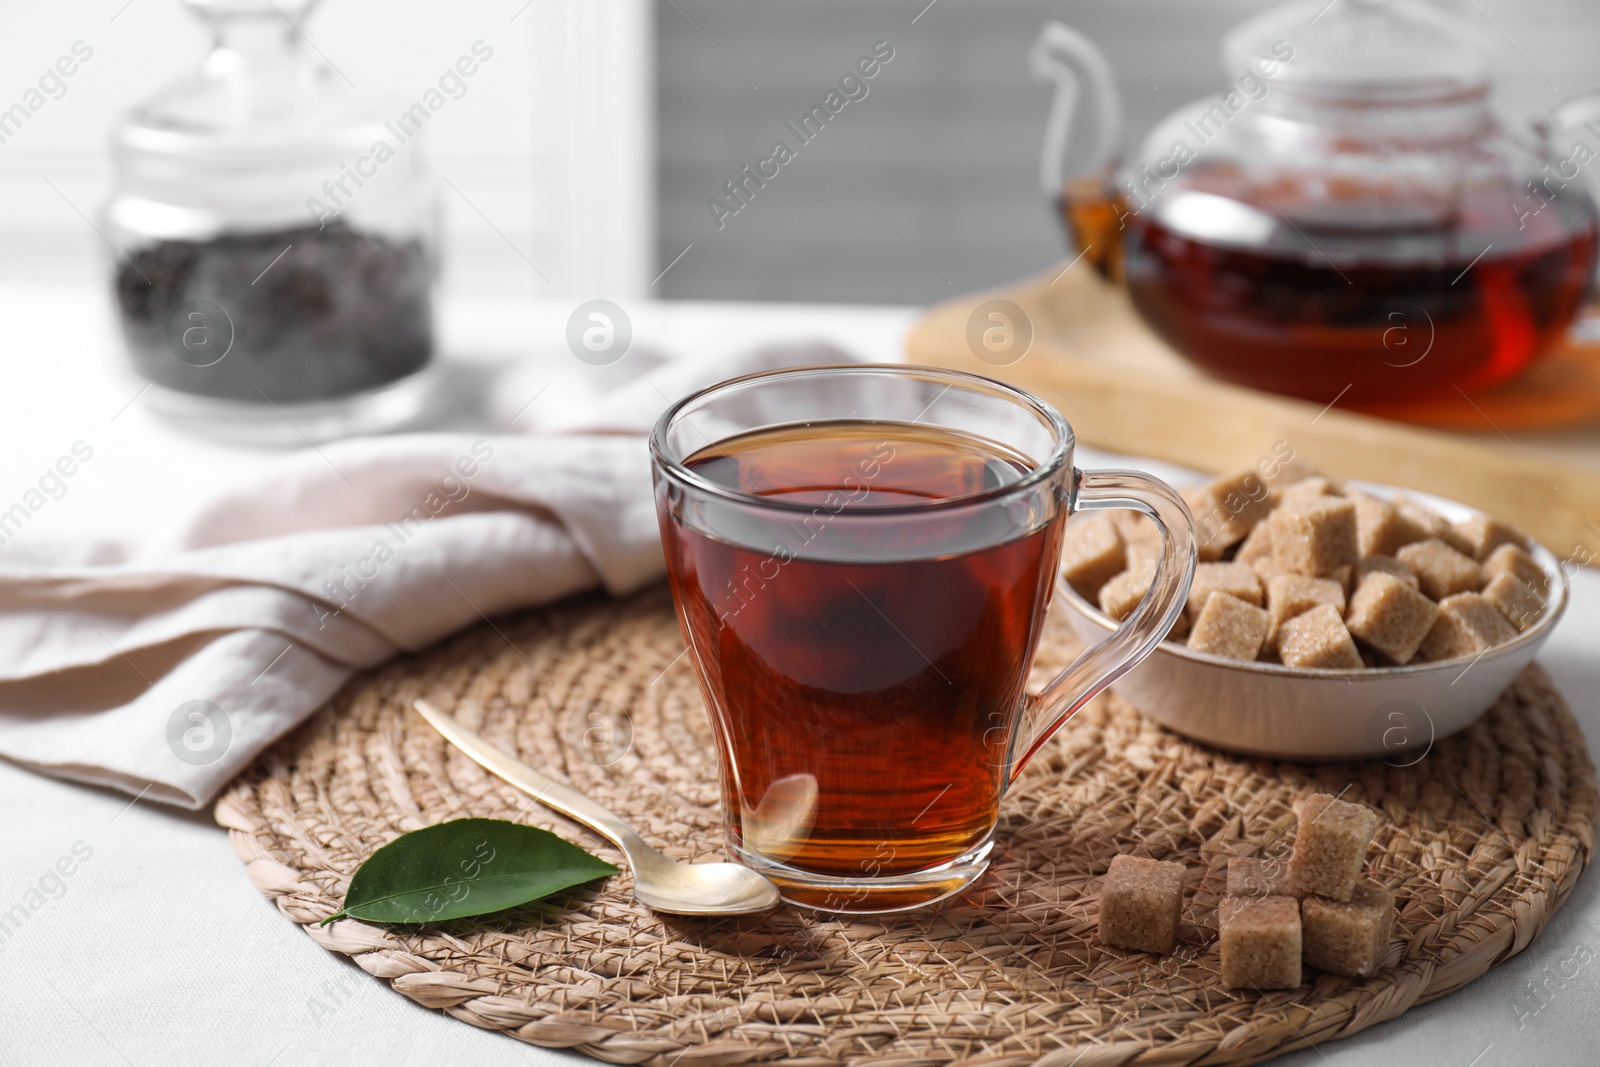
(1347, 219)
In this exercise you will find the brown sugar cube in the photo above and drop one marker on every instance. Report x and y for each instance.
(1229, 627)
(1423, 520)
(1122, 594)
(1143, 556)
(1229, 506)
(1246, 493)
(1380, 530)
(1210, 520)
(1513, 599)
(1345, 576)
(1386, 565)
(1295, 593)
(1289, 595)
(1315, 535)
(1252, 876)
(1259, 942)
(1141, 539)
(1389, 615)
(1307, 488)
(1454, 539)
(1468, 623)
(1330, 846)
(1441, 570)
(1235, 579)
(1318, 639)
(1143, 548)
(1515, 561)
(1267, 567)
(1257, 544)
(1287, 472)
(1091, 554)
(1139, 904)
(1133, 525)
(1481, 535)
(1348, 937)
(1214, 530)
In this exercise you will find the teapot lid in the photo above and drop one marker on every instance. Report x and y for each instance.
(1362, 50)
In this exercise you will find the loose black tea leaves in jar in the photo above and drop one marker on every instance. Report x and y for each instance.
(286, 316)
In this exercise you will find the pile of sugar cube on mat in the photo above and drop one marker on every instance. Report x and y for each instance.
(1317, 907)
(1314, 574)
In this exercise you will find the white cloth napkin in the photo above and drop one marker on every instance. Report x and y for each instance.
(163, 666)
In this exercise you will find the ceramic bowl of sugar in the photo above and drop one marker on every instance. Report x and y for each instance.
(1381, 709)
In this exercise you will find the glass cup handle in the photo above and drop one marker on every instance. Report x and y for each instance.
(1140, 633)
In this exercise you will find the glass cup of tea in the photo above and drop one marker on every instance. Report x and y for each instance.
(861, 557)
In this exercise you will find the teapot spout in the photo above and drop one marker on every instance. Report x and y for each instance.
(1081, 139)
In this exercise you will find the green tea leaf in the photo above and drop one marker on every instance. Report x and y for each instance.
(464, 868)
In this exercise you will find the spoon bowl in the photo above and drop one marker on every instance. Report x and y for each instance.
(674, 888)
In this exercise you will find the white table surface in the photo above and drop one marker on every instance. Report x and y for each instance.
(157, 950)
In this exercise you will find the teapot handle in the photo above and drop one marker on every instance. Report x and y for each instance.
(1085, 124)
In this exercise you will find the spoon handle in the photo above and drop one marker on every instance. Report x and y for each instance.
(540, 786)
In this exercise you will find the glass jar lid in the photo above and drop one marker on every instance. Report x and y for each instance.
(248, 136)
(1402, 51)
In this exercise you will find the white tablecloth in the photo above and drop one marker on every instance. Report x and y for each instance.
(154, 949)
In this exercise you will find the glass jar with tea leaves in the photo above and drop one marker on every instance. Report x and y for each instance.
(276, 240)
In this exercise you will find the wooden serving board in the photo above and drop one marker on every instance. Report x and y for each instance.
(1125, 390)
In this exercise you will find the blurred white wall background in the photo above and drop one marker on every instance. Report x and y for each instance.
(945, 146)
(594, 139)
(522, 145)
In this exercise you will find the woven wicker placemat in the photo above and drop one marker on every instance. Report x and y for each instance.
(1484, 837)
